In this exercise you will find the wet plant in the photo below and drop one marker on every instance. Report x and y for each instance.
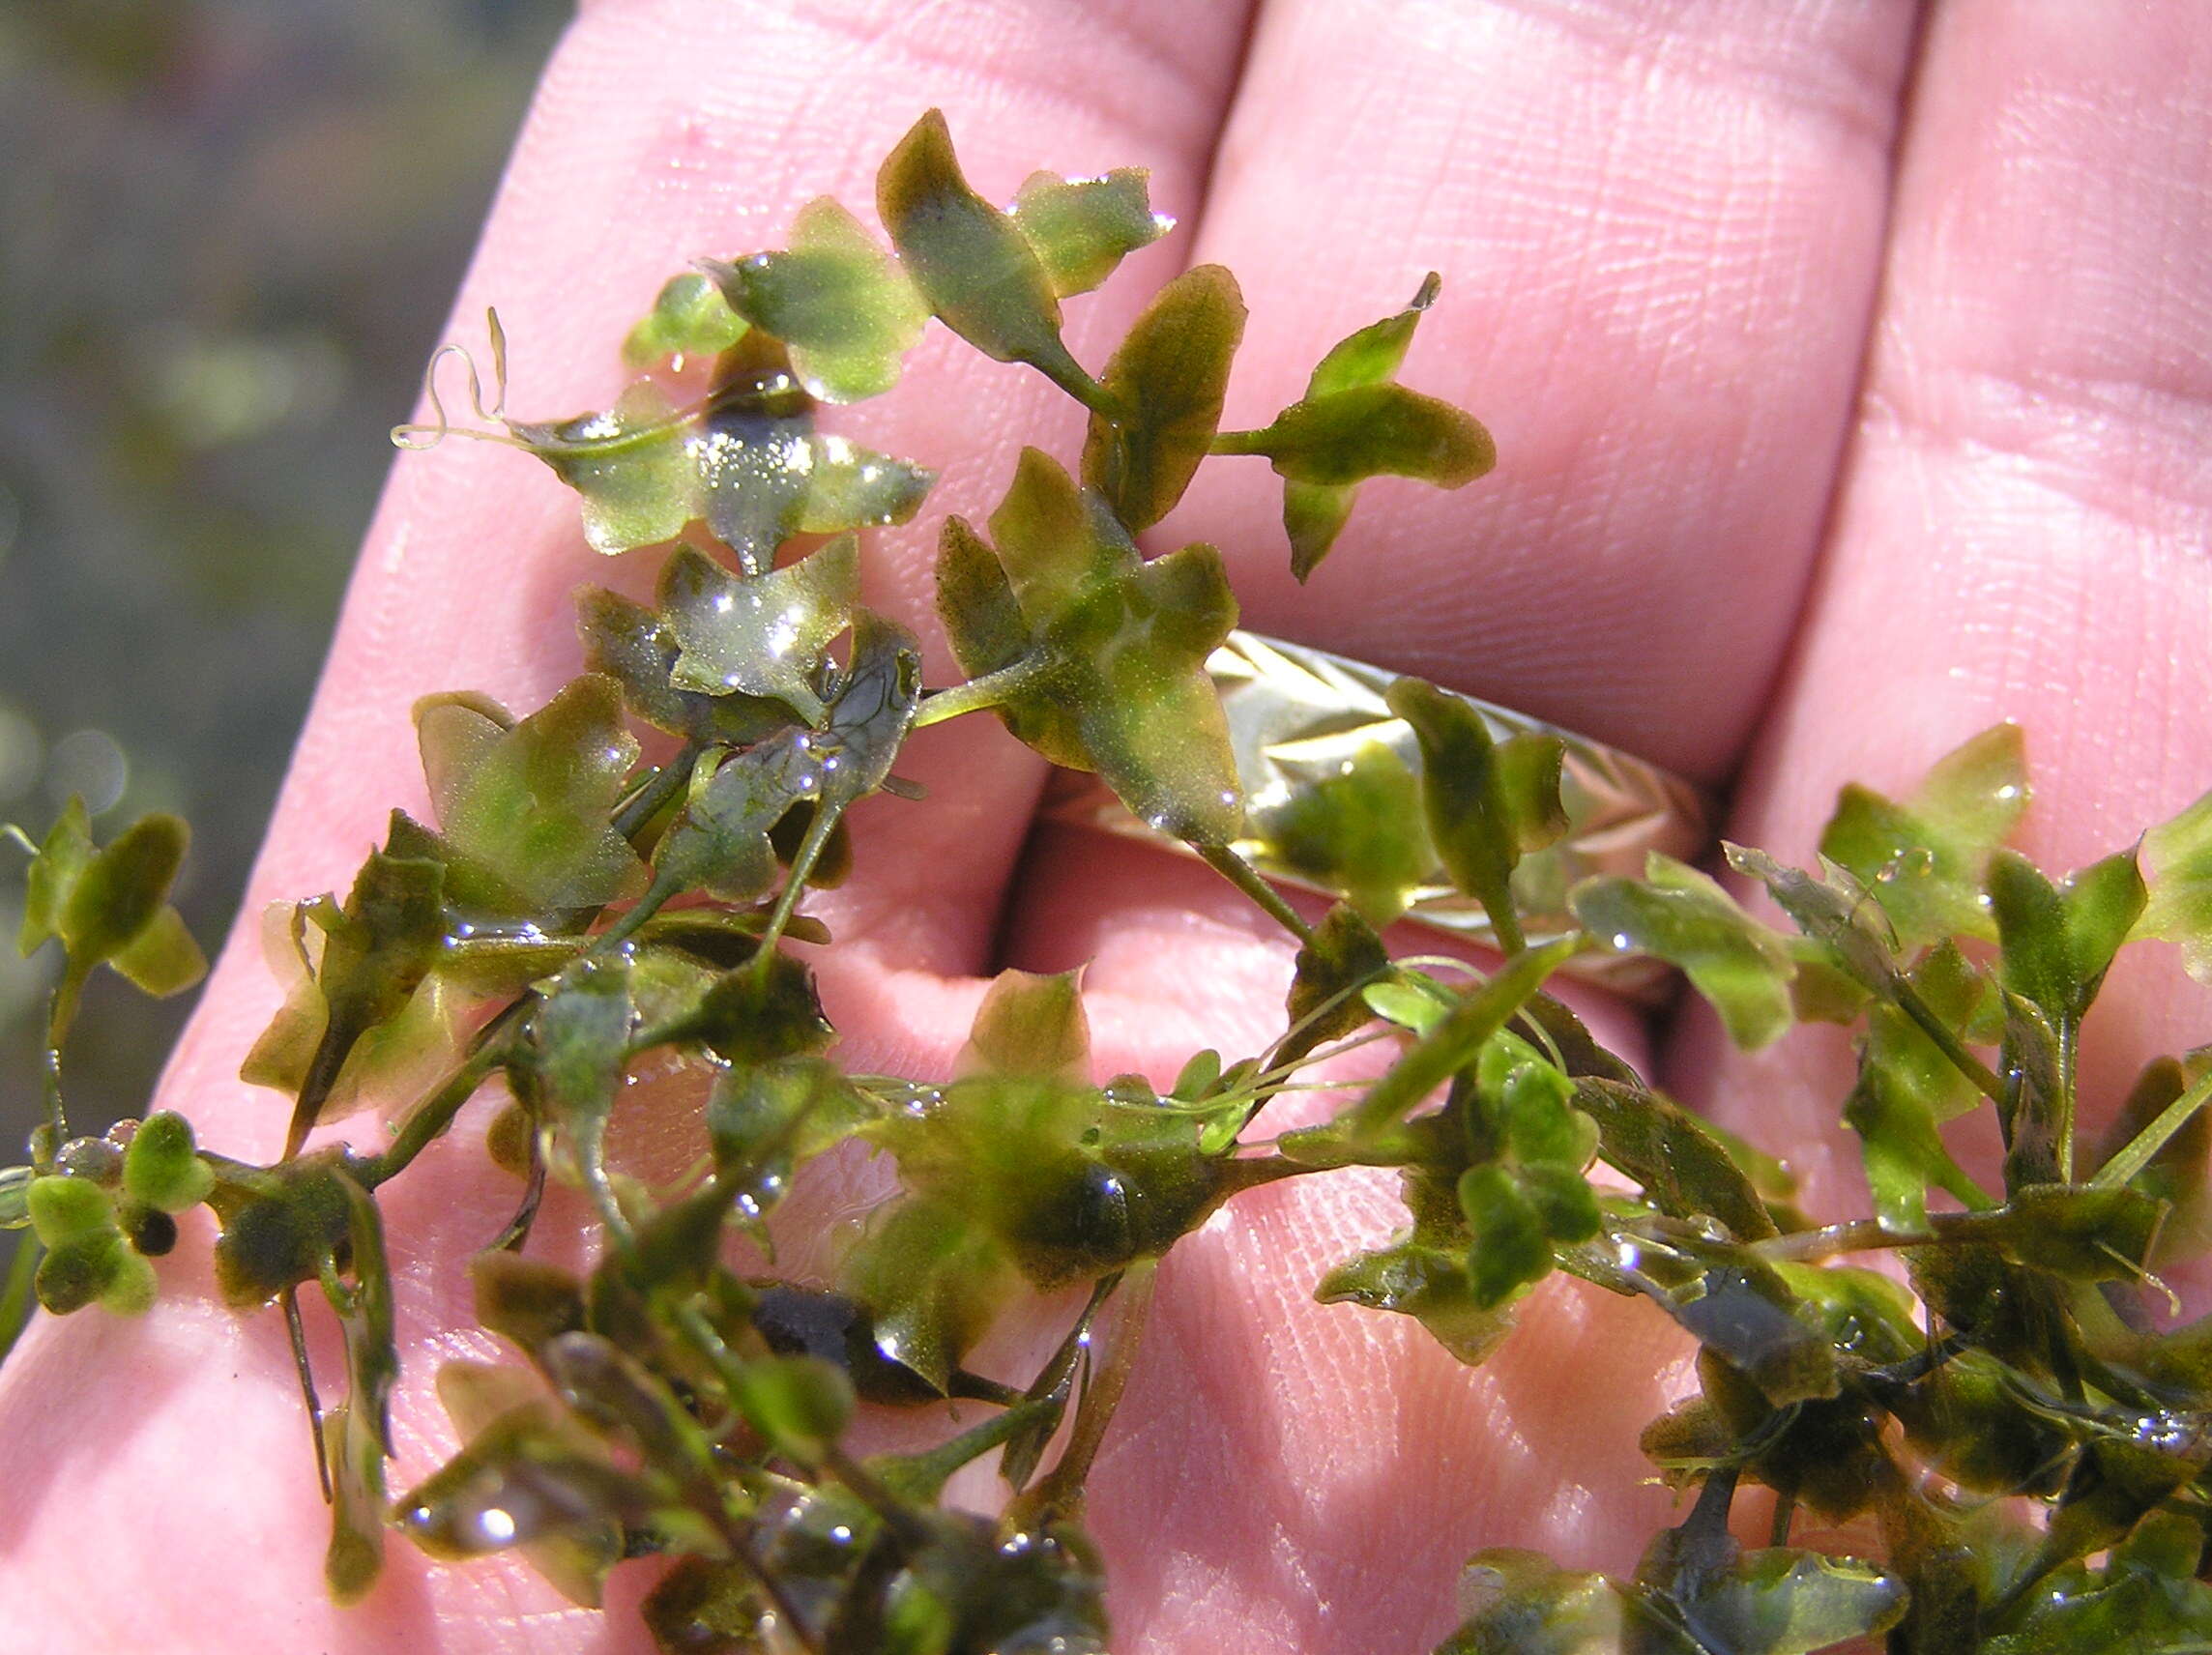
(2021, 1435)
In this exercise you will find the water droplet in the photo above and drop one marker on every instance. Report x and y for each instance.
(496, 1526)
(90, 764)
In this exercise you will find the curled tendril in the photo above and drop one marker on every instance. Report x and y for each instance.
(428, 434)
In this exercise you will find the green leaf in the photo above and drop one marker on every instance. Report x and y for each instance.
(1682, 1167)
(1923, 861)
(767, 1120)
(1343, 959)
(2082, 1231)
(1106, 653)
(800, 1404)
(979, 273)
(845, 309)
(1069, 1182)
(1457, 1040)
(760, 635)
(2060, 940)
(1512, 1247)
(358, 1432)
(1487, 802)
(1314, 513)
(1350, 824)
(1029, 1025)
(636, 647)
(347, 1027)
(1376, 430)
(1783, 1601)
(568, 1065)
(931, 1280)
(525, 1301)
(755, 1015)
(1081, 228)
(1162, 396)
(280, 1225)
(689, 318)
(1835, 913)
(53, 873)
(1428, 1283)
(747, 463)
(523, 808)
(632, 464)
(1908, 1086)
(115, 910)
(162, 1169)
(1740, 1308)
(1680, 916)
(2179, 898)
(1522, 1603)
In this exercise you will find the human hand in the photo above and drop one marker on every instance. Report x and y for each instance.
(1836, 424)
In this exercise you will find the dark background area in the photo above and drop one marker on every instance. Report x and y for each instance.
(229, 232)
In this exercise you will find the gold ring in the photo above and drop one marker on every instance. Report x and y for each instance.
(1330, 779)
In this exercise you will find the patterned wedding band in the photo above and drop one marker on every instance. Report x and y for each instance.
(1327, 772)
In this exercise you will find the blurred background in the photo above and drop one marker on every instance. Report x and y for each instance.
(229, 232)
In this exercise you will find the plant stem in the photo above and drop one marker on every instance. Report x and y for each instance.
(1985, 1079)
(2136, 1154)
(657, 789)
(992, 689)
(429, 1118)
(1237, 443)
(1245, 878)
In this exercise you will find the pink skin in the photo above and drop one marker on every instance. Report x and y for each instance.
(1849, 369)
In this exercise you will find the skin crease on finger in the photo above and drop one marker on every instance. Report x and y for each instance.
(1661, 229)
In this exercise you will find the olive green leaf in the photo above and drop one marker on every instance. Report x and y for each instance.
(1069, 1183)
(1923, 861)
(1784, 1600)
(162, 1168)
(801, 1405)
(1683, 916)
(760, 635)
(1521, 1602)
(636, 647)
(2084, 1232)
(1356, 421)
(1162, 396)
(1511, 1245)
(1081, 228)
(1350, 824)
(109, 906)
(1327, 998)
(374, 956)
(2060, 940)
(1427, 1282)
(1029, 1025)
(1684, 1169)
(1457, 1040)
(532, 1475)
(1093, 657)
(747, 463)
(573, 1558)
(568, 1065)
(845, 309)
(633, 464)
(87, 1259)
(2177, 855)
(523, 807)
(979, 273)
(1908, 1086)
(759, 1013)
(1487, 803)
(357, 1432)
(280, 1223)
(1740, 1308)
(931, 1279)
(766, 1121)
(2173, 1169)
(689, 318)
(525, 1301)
